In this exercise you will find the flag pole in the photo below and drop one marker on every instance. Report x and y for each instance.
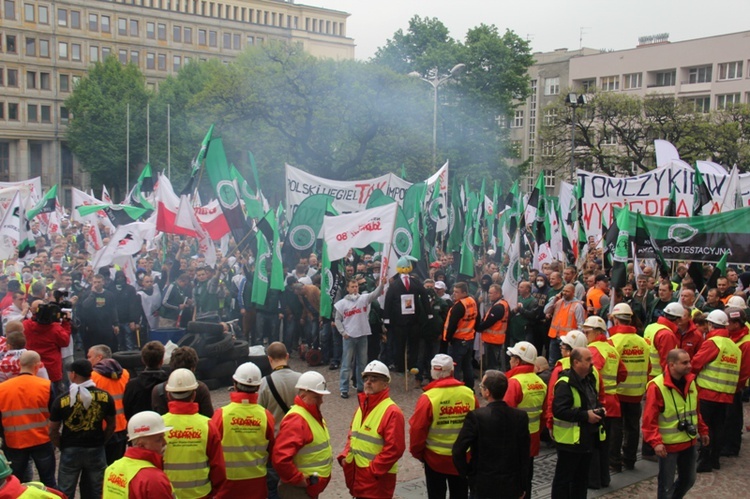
(127, 149)
(169, 143)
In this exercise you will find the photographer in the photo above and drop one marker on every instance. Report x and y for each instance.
(47, 332)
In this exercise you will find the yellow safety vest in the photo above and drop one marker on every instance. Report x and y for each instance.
(634, 353)
(185, 460)
(649, 334)
(611, 363)
(118, 475)
(317, 456)
(37, 490)
(450, 405)
(567, 432)
(534, 392)
(722, 374)
(366, 442)
(244, 442)
(675, 409)
(565, 363)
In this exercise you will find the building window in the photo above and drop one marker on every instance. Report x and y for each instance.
(176, 63)
(730, 71)
(726, 101)
(666, 78)
(43, 48)
(549, 179)
(213, 39)
(62, 17)
(518, 119)
(106, 52)
(12, 77)
(43, 14)
(701, 104)
(105, 24)
(28, 13)
(123, 56)
(162, 62)
(588, 86)
(188, 35)
(162, 31)
(250, 39)
(35, 159)
(550, 116)
(44, 81)
(64, 114)
(75, 51)
(122, 27)
(31, 80)
(93, 22)
(150, 60)
(236, 41)
(135, 57)
(610, 83)
(177, 33)
(700, 75)
(31, 114)
(12, 111)
(66, 165)
(93, 54)
(10, 44)
(632, 80)
(227, 39)
(201, 37)
(31, 47)
(552, 86)
(4, 159)
(609, 139)
(2, 117)
(150, 30)
(46, 114)
(133, 27)
(10, 10)
(75, 19)
(64, 83)
(548, 148)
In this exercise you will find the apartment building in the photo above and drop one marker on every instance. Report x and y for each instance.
(46, 46)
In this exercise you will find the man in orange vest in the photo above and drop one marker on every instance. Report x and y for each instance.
(598, 295)
(567, 314)
(493, 328)
(109, 375)
(459, 330)
(24, 408)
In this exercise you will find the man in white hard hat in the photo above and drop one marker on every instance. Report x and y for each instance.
(376, 439)
(434, 426)
(736, 302)
(247, 438)
(717, 369)
(193, 461)
(140, 472)
(302, 454)
(739, 333)
(663, 336)
(527, 391)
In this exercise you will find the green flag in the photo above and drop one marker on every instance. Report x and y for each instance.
(253, 206)
(479, 217)
(466, 265)
(720, 270)
(305, 226)
(701, 195)
(118, 214)
(642, 235)
(45, 205)
(202, 152)
(263, 271)
(671, 209)
(268, 229)
(403, 239)
(622, 249)
(455, 220)
(329, 284)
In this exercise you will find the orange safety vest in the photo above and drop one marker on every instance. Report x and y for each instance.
(116, 388)
(594, 298)
(465, 329)
(24, 401)
(495, 335)
(564, 319)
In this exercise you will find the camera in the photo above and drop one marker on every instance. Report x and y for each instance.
(47, 313)
(687, 427)
(599, 411)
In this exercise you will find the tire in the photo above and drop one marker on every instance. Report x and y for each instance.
(219, 347)
(129, 359)
(194, 341)
(205, 364)
(212, 383)
(240, 349)
(223, 370)
(205, 329)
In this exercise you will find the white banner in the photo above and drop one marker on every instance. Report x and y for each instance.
(358, 230)
(438, 206)
(349, 196)
(649, 193)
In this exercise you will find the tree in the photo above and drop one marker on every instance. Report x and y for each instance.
(97, 133)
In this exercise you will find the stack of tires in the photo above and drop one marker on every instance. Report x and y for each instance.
(219, 353)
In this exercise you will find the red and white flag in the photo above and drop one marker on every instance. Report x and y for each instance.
(358, 230)
(186, 220)
(212, 220)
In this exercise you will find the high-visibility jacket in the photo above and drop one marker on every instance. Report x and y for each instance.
(118, 475)
(634, 353)
(495, 335)
(722, 374)
(366, 443)
(611, 363)
(24, 401)
(450, 405)
(676, 408)
(116, 388)
(534, 392)
(185, 460)
(317, 456)
(594, 298)
(567, 432)
(244, 441)
(37, 490)
(649, 334)
(465, 328)
(563, 319)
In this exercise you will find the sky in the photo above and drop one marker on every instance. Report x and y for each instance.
(547, 24)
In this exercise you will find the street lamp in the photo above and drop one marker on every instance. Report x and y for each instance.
(573, 101)
(436, 80)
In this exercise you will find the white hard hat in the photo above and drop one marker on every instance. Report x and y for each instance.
(377, 367)
(736, 302)
(181, 380)
(674, 309)
(524, 351)
(622, 309)
(595, 322)
(718, 317)
(575, 339)
(248, 374)
(146, 423)
(312, 381)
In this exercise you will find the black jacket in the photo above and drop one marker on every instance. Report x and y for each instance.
(392, 304)
(137, 396)
(562, 408)
(498, 437)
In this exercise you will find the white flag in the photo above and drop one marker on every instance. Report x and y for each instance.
(10, 228)
(513, 274)
(357, 230)
(126, 241)
(186, 220)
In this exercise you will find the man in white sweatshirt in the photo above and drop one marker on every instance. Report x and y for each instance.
(352, 314)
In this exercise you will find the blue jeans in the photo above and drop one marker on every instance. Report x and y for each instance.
(126, 337)
(266, 327)
(292, 333)
(87, 462)
(495, 356)
(684, 463)
(462, 352)
(44, 460)
(554, 352)
(353, 356)
(312, 331)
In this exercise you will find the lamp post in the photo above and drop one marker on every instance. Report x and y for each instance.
(436, 80)
(573, 101)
